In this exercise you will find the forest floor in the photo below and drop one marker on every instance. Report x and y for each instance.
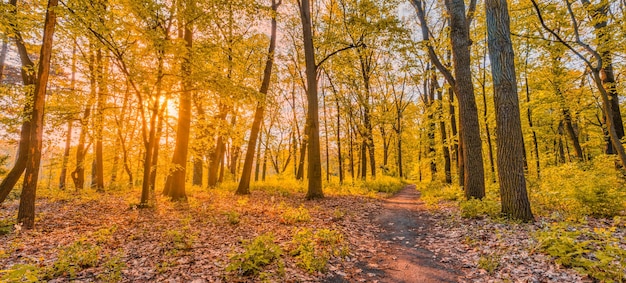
(93, 237)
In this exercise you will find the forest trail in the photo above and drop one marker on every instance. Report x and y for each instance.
(405, 224)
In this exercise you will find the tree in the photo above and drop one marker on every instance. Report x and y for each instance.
(596, 67)
(244, 184)
(314, 170)
(510, 143)
(474, 177)
(26, 212)
(175, 183)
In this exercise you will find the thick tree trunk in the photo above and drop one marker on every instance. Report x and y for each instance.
(28, 79)
(474, 178)
(175, 183)
(26, 211)
(514, 197)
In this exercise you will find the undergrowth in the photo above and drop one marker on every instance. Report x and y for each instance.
(313, 250)
(596, 252)
(258, 253)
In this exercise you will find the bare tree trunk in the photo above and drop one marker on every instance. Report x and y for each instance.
(175, 183)
(314, 160)
(26, 211)
(28, 79)
(514, 197)
(339, 156)
(70, 123)
(363, 160)
(244, 184)
(326, 139)
(98, 121)
(600, 15)
(486, 119)
(258, 154)
(530, 120)
(3, 56)
(447, 164)
(66, 155)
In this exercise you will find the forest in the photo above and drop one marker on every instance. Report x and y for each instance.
(312, 141)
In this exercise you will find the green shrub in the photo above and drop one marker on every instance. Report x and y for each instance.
(257, 254)
(435, 192)
(180, 239)
(112, 268)
(6, 226)
(280, 186)
(313, 250)
(74, 258)
(596, 252)
(580, 189)
(22, 273)
(384, 184)
(294, 215)
(232, 217)
(489, 263)
(475, 208)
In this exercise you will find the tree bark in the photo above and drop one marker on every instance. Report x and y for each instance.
(314, 170)
(66, 155)
(474, 178)
(600, 15)
(514, 197)
(99, 120)
(244, 184)
(175, 183)
(26, 211)
(29, 79)
(3, 56)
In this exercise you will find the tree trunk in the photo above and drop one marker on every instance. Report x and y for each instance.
(303, 149)
(175, 182)
(3, 56)
(363, 160)
(339, 156)
(26, 211)
(258, 155)
(474, 178)
(29, 79)
(197, 171)
(326, 139)
(600, 15)
(99, 158)
(486, 119)
(447, 164)
(514, 197)
(66, 155)
(530, 122)
(314, 171)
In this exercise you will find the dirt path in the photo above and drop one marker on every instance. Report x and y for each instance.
(405, 223)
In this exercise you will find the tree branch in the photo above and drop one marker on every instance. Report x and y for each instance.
(426, 37)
